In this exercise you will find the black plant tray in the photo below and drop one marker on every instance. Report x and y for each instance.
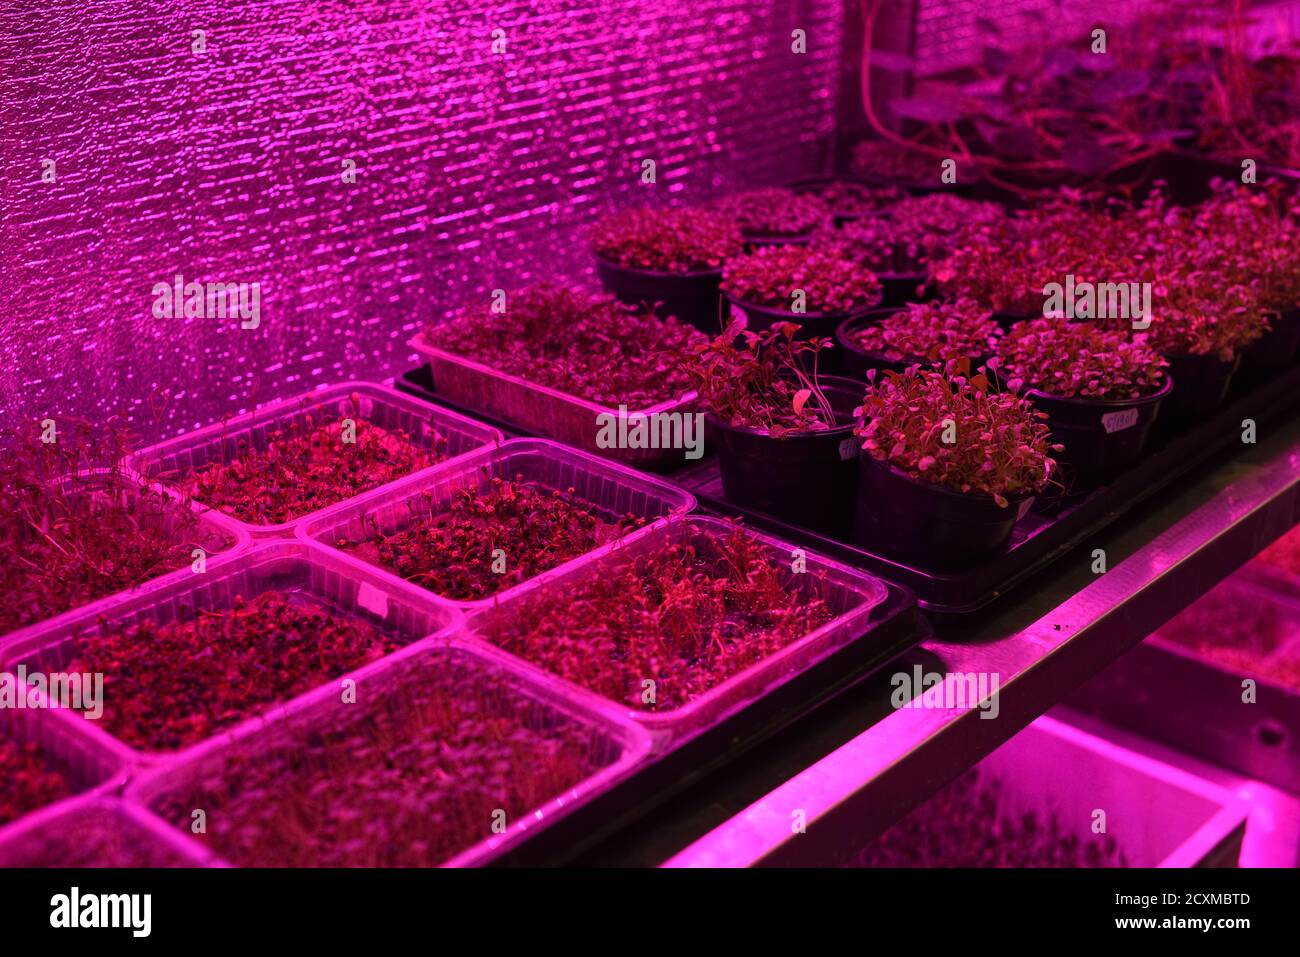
(894, 627)
(1039, 539)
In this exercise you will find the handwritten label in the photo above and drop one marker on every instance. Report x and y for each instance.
(1118, 421)
(848, 449)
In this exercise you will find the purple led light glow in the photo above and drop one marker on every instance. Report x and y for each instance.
(473, 170)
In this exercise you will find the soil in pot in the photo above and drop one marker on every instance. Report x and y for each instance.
(968, 825)
(492, 539)
(927, 525)
(805, 478)
(1201, 385)
(410, 781)
(686, 615)
(28, 781)
(306, 466)
(168, 686)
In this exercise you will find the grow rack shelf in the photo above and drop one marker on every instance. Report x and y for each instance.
(856, 765)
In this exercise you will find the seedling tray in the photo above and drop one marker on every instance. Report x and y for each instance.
(611, 489)
(873, 622)
(1169, 692)
(144, 841)
(173, 460)
(1039, 538)
(616, 745)
(315, 576)
(533, 409)
(220, 537)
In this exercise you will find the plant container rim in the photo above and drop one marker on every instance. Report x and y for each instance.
(1166, 386)
(671, 727)
(13, 653)
(312, 532)
(633, 742)
(802, 435)
(1014, 500)
(654, 273)
(796, 317)
(307, 402)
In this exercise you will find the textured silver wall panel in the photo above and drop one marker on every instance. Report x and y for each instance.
(474, 169)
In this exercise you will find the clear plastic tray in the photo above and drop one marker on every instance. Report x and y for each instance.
(380, 405)
(286, 566)
(851, 594)
(537, 408)
(23, 842)
(220, 536)
(610, 487)
(621, 744)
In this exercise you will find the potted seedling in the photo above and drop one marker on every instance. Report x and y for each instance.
(1202, 330)
(948, 465)
(925, 226)
(814, 288)
(784, 432)
(849, 200)
(72, 533)
(1101, 391)
(775, 216)
(929, 334)
(668, 259)
(873, 243)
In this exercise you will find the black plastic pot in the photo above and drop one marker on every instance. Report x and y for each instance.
(854, 361)
(900, 288)
(811, 323)
(806, 478)
(1200, 385)
(916, 522)
(694, 298)
(1101, 437)
(1276, 349)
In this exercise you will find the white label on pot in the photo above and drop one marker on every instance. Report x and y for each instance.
(848, 449)
(1118, 421)
(372, 599)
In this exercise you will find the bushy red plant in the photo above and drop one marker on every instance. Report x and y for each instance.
(923, 226)
(1201, 321)
(774, 276)
(670, 240)
(686, 615)
(27, 780)
(968, 824)
(585, 345)
(306, 465)
(68, 538)
(850, 199)
(1000, 446)
(1077, 360)
(170, 685)
(411, 779)
(934, 332)
(450, 551)
(768, 382)
(870, 242)
(774, 212)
